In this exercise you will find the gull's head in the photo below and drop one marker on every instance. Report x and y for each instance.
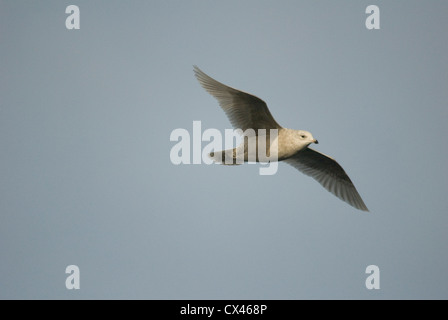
(305, 137)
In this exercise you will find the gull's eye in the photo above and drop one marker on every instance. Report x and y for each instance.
(303, 136)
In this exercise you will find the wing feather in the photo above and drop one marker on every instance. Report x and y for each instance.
(329, 174)
(243, 109)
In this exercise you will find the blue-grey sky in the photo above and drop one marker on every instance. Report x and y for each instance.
(86, 177)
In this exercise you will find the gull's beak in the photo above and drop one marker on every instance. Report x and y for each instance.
(315, 141)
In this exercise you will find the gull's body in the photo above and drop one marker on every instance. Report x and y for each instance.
(245, 111)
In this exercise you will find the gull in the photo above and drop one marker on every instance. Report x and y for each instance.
(246, 111)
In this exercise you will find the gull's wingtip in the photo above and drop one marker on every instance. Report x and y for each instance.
(198, 72)
(364, 208)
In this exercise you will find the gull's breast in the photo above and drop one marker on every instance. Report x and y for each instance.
(287, 144)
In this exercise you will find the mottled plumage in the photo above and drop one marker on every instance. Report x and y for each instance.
(247, 111)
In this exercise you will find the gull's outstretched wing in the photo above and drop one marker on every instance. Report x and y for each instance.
(329, 174)
(243, 109)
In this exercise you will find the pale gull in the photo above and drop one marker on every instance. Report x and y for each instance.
(247, 111)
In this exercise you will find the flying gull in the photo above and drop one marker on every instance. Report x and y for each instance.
(246, 111)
